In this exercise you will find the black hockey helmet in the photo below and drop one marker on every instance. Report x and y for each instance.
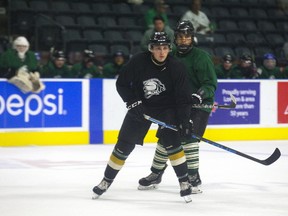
(187, 28)
(59, 55)
(246, 57)
(159, 38)
(227, 58)
(88, 54)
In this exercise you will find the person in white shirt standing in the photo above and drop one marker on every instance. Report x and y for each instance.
(198, 18)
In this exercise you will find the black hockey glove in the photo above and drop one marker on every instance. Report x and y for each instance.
(186, 129)
(196, 99)
(135, 109)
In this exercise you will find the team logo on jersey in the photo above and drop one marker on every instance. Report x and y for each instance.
(153, 87)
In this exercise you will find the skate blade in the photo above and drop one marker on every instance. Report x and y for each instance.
(95, 196)
(187, 198)
(150, 187)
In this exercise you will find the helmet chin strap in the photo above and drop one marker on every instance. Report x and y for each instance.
(183, 49)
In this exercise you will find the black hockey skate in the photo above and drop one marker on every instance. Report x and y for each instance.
(186, 191)
(101, 188)
(151, 181)
(195, 182)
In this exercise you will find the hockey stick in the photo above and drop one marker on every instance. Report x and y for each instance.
(271, 159)
(232, 105)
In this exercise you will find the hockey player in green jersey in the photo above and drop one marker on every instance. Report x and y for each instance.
(203, 81)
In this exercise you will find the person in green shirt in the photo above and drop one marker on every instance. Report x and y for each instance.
(56, 66)
(203, 82)
(19, 65)
(158, 26)
(224, 69)
(269, 69)
(20, 55)
(159, 9)
(86, 68)
(112, 69)
(246, 69)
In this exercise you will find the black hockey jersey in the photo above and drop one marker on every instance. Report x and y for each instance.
(159, 87)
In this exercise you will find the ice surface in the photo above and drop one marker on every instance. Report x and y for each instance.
(58, 181)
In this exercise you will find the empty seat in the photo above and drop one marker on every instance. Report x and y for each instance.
(255, 38)
(61, 7)
(247, 25)
(282, 26)
(220, 12)
(275, 39)
(76, 46)
(239, 50)
(49, 36)
(122, 8)
(44, 20)
(134, 36)
(114, 36)
(257, 13)
(73, 35)
(22, 23)
(66, 20)
(107, 22)
(123, 48)
(39, 6)
(19, 5)
(221, 51)
(135, 49)
(266, 26)
(81, 7)
(260, 51)
(239, 12)
(86, 21)
(276, 13)
(99, 49)
(140, 9)
(93, 35)
(227, 25)
(101, 9)
(235, 38)
(128, 23)
(218, 39)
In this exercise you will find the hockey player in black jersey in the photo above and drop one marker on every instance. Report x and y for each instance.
(153, 83)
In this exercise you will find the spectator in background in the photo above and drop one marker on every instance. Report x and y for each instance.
(112, 69)
(198, 18)
(56, 66)
(158, 26)
(86, 68)
(19, 66)
(246, 69)
(159, 9)
(224, 69)
(268, 69)
(20, 55)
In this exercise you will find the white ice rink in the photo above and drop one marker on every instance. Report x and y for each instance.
(57, 181)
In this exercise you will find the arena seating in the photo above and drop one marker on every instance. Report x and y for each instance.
(254, 25)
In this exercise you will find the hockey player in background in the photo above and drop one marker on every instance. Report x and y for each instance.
(19, 65)
(203, 81)
(156, 84)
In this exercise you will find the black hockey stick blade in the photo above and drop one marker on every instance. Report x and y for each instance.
(232, 105)
(271, 159)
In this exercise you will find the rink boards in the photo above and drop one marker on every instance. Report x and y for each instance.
(82, 111)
